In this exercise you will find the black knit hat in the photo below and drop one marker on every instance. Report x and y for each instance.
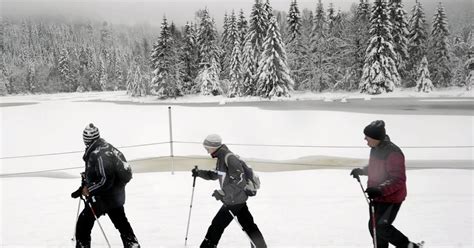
(375, 130)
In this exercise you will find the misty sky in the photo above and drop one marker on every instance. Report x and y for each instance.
(179, 11)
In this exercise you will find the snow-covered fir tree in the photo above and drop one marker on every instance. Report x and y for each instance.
(339, 24)
(165, 64)
(242, 27)
(339, 54)
(362, 36)
(137, 84)
(225, 29)
(469, 65)
(231, 34)
(208, 77)
(190, 58)
(273, 74)
(460, 50)
(423, 82)
(380, 72)
(69, 84)
(102, 75)
(320, 76)
(300, 55)
(253, 47)
(331, 18)
(417, 42)
(439, 55)
(236, 86)
(400, 35)
(294, 42)
(294, 22)
(267, 8)
(3, 74)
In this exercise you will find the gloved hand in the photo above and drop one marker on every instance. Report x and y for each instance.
(195, 172)
(218, 194)
(374, 192)
(77, 193)
(355, 173)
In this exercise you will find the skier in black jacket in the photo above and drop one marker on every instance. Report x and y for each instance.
(232, 194)
(102, 187)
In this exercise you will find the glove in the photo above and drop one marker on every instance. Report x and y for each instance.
(218, 194)
(77, 193)
(355, 173)
(374, 192)
(195, 172)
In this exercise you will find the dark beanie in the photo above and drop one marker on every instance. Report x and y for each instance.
(375, 130)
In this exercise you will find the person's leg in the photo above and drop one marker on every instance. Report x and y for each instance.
(84, 226)
(246, 220)
(120, 221)
(379, 211)
(385, 230)
(217, 227)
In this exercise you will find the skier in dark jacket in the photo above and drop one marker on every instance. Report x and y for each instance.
(232, 194)
(386, 185)
(103, 189)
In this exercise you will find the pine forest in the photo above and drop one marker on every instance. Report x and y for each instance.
(374, 48)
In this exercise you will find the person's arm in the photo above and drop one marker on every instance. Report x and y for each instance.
(207, 174)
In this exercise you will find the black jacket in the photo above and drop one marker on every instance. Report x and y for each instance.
(231, 177)
(100, 177)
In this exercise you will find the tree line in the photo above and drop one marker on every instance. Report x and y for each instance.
(373, 48)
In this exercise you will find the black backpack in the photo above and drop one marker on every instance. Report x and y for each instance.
(253, 180)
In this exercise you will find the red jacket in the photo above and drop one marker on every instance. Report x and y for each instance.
(386, 170)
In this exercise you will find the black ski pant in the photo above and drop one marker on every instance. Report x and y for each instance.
(223, 218)
(385, 214)
(86, 220)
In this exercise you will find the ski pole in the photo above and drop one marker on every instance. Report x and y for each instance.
(77, 217)
(372, 212)
(97, 219)
(252, 244)
(190, 208)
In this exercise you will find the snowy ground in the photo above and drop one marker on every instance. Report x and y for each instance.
(317, 208)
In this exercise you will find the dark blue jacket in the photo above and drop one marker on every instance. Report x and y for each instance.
(231, 177)
(100, 175)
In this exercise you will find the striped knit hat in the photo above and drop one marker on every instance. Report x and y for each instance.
(90, 134)
(212, 141)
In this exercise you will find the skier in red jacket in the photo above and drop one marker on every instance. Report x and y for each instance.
(386, 185)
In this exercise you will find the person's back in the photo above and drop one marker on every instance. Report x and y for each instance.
(387, 169)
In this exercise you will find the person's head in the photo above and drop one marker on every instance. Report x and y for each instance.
(90, 134)
(375, 133)
(212, 142)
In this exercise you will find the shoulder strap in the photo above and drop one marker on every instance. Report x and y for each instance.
(226, 158)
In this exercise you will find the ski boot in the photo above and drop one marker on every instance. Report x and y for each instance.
(417, 245)
(207, 244)
(83, 244)
(130, 242)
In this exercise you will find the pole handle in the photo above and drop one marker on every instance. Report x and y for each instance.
(194, 178)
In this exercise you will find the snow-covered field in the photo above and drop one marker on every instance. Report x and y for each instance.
(318, 208)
